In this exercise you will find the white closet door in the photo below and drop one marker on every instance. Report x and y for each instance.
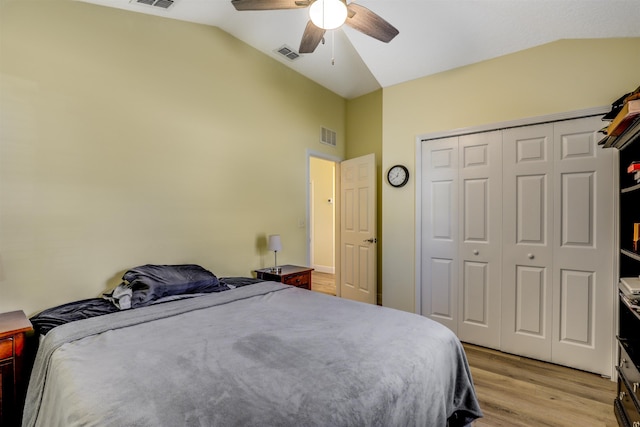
(480, 223)
(439, 265)
(583, 267)
(527, 241)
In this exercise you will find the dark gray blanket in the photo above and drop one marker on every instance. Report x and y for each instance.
(261, 355)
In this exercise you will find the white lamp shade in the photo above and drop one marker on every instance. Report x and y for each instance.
(328, 14)
(275, 244)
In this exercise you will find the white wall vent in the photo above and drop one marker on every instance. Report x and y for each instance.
(328, 136)
(162, 4)
(287, 52)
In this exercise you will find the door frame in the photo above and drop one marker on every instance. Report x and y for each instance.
(337, 160)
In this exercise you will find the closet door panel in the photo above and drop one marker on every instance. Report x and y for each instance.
(577, 305)
(527, 252)
(440, 298)
(582, 268)
(480, 219)
(475, 292)
(531, 199)
(530, 301)
(440, 235)
(577, 217)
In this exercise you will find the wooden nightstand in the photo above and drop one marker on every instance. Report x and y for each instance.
(291, 275)
(14, 326)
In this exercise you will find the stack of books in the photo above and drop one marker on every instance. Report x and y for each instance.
(630, 291)
(625, 112)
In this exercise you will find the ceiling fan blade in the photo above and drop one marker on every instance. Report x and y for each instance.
(367, 22)
(311, 38)
(269, 4)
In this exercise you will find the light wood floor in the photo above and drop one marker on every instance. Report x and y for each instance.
(518, 392)
(323, 282)
(515, 391)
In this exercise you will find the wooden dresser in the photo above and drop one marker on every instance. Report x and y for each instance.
(290, 274)
(14, 326)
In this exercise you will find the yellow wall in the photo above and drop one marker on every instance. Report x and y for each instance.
(322, 174)
(129, 139)
(558, 77)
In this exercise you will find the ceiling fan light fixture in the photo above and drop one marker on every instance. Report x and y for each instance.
(328, 14)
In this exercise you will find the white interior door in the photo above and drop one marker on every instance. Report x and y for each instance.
(358, 239)
(583, 244)
(480, 242)
(439, 240)
(527, 241)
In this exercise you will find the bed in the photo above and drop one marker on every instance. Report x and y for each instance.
(242, 352)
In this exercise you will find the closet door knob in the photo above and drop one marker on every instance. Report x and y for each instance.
(476, 252)
(530, 256)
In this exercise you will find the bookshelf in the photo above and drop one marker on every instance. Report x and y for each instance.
(627, 402)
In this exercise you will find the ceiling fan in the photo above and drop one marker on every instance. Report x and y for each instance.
(327, 15)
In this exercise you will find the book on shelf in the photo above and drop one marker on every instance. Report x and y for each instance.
(630, 286)
(633, 167)
(631, 303)
(616, 106)
(625, 116)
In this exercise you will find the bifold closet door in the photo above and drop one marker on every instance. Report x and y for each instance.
(527, 241)
(461, 226)
(439, 236)
(557, 283)
(480, 225)
(583, 285)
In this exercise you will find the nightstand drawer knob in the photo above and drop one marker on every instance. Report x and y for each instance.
(635, 387)
(622, 395)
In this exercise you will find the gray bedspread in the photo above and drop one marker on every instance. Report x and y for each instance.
(260, 355)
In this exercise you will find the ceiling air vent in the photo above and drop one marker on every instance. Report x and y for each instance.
(288, 53)
(163, 4)
(327, 136)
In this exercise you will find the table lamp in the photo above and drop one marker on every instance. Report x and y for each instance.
(275, 245)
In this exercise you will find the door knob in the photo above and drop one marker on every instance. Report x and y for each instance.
(530, 256)
(476, 252)
(371, 240)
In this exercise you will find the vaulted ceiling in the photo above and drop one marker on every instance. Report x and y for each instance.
(435, 35)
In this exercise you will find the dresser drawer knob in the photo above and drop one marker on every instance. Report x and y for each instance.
(636, 424)
(635, 387)
(623, 362)
(622, 395)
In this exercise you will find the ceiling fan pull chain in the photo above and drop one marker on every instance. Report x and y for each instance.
(333, 50)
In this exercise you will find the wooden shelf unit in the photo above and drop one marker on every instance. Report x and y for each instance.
(627, 402)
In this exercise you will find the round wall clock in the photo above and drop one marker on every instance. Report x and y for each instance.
(398, 175)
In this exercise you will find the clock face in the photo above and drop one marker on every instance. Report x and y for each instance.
(398, 175)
